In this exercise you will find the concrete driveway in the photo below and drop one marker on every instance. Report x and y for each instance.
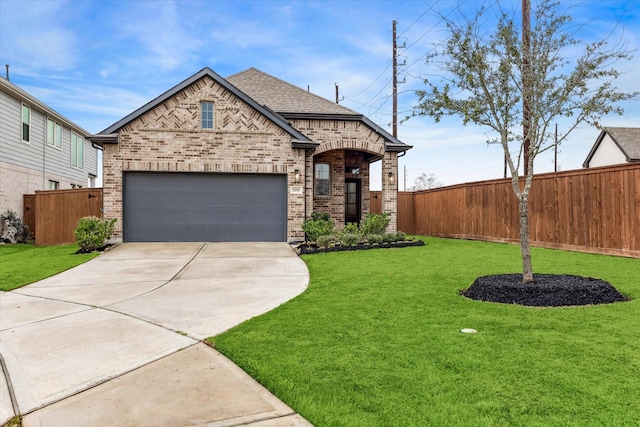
(117, 341)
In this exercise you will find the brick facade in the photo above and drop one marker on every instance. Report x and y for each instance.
(342, 144)
(168, 138)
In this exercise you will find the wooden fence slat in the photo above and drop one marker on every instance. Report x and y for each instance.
(57, 212)
(593, 210)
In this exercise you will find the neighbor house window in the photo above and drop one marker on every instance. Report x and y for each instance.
(54, 185)
(54, 134)
(77, 152)
(321, 178)
(26, 123)
(207, 115)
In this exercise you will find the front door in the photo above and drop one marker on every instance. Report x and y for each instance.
(352, 201)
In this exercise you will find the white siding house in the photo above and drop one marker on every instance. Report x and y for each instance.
(39, 149)
(614, 146)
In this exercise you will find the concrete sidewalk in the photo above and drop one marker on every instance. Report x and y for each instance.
(117, 341)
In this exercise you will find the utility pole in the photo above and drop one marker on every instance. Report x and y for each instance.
(338, 99)
(394, 96)
(526, 79)
(395, 83)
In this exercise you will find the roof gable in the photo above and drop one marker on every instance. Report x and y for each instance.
(271, 115)
(292, 102)
(627, 139)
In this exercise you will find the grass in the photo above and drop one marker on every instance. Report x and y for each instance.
(22, 264)
(375, 341)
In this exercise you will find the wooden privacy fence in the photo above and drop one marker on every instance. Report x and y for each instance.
(52, 215)
(405, 209)
(591, 210)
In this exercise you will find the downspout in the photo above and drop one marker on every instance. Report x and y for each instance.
(44, 156)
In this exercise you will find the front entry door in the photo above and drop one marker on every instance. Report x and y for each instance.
(352, 201)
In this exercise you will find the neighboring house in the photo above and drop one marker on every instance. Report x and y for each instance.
(39, 149)
(247, 158)
(615, 145)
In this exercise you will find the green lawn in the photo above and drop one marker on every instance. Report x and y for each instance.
(22, 264)
(375, 341)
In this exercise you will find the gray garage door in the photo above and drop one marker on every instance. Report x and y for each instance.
(201, 207)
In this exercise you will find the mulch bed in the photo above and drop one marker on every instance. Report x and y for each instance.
(547, 290)
(100, 249)
(304, 249)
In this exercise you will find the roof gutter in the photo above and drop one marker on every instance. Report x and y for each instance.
(101, 139)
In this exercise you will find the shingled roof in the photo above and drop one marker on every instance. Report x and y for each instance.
(284, 97)
(292, 102)
(627, 140)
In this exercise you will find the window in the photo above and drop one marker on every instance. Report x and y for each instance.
(77, 155)
(54, 185)
(54, 134)
(26, 122)
(322, 179)
(207, 115)
(353, 170)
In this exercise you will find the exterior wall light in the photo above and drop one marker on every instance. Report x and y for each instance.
(297, 175)
(391, 178)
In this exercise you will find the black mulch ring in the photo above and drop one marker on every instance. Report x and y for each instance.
(547, 290)
(305, 249)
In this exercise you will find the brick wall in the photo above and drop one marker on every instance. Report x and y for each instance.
(168, 138)
(343, 143)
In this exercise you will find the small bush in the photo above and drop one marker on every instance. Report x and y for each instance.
(92, 232)
(324, 241)
(374, 239)
(13, 220)
(389, 237)
(401, 236)
(320, 224)
(347, 239)
(320, 216)
(375, 224)
(351, 228)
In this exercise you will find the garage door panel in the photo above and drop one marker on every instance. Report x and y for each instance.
(204, 207)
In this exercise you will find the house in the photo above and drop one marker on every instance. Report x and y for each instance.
(39, 149)
(247, 158)
(615, 145)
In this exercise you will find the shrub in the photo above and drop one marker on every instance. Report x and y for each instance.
(374, 239)
(374, 224)
(401, 236)
(92, 232)
(324, 241)
(317, 216)
(389, 237)
(348, 239)
(21, 229)
(320, 224)
(351, 228)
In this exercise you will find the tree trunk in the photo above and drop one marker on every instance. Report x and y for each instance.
(525, 247)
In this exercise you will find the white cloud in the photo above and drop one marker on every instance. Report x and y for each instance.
(34, 35)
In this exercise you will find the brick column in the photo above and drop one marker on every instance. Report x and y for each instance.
(390, 188)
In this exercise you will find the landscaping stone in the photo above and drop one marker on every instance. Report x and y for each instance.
(547, 290)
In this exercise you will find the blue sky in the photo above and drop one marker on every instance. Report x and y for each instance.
(97, 61)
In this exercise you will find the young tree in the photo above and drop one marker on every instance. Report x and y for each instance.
(425, 182)
(488, 77)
